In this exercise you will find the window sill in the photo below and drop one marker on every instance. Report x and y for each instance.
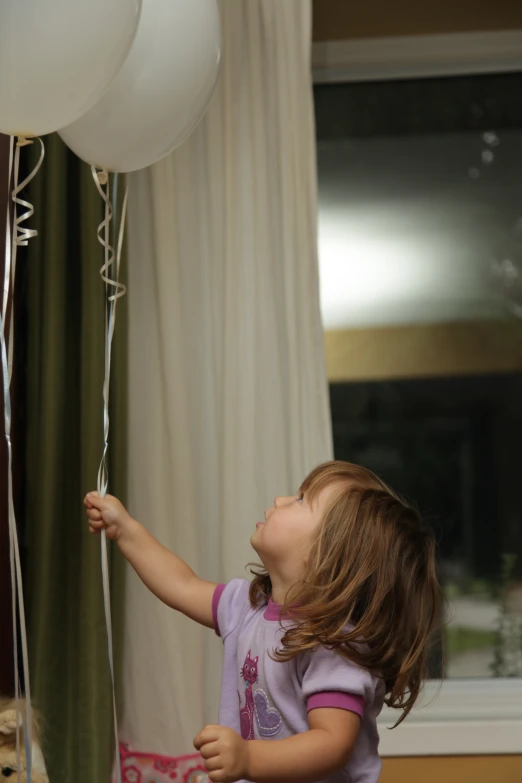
(467, 717)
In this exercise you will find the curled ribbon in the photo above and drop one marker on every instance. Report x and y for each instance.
(101, 179)
(15, 237)
(20, 235)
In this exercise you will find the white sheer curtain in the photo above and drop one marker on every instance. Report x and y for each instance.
(228, 392)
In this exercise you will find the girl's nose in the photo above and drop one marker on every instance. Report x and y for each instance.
(282, 501)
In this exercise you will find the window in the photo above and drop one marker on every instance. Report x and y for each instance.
(420, 249)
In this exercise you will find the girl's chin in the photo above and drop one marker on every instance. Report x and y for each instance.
(255, 542)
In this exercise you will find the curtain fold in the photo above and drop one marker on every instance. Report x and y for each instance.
(62, 338)
(228, 397)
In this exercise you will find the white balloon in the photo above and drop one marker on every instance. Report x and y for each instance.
(160, 93)
(57, 57)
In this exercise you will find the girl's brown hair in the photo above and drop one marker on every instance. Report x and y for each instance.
(371, 567)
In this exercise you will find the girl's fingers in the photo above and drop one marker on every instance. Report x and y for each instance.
(88, 499)
(213, 764)
(208, 751)
(96, 524)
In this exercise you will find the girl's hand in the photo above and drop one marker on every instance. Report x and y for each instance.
(224, 752)
(107, 514)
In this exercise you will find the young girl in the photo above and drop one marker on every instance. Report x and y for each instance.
(334, 623)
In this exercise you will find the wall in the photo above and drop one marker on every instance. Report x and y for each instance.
(340, 19)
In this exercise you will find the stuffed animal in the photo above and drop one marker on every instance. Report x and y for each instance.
(8, 762)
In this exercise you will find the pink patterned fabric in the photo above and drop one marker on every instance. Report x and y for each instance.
(138, 767)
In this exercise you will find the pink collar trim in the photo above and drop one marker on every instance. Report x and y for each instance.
(272, 611)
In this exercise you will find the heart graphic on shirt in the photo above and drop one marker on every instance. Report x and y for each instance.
(269, 720)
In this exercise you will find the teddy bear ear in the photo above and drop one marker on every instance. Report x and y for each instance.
(8, 723)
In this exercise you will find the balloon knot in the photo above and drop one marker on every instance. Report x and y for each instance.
(23, 141)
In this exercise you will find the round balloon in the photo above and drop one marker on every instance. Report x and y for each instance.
(160, 93)
(57, 57)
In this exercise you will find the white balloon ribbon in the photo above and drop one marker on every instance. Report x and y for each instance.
(16, 235)
(110, 275)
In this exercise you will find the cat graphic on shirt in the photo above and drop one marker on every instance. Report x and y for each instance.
(257, 709)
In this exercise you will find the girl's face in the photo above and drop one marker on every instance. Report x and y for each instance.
(284, 539)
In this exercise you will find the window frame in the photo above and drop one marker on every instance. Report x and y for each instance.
(461, 717)
(454, 54)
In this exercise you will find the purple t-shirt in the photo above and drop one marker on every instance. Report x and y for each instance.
(266, 699)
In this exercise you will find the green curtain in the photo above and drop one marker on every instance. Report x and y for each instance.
(64, 350)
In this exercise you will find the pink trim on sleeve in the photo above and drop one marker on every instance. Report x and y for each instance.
(218, 592)
(338, 700)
